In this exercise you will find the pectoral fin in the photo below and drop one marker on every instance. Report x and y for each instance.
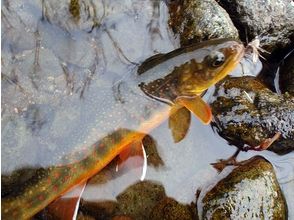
(179, 123)
(197, 106)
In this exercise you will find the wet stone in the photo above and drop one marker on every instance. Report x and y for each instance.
(250, 191)
(81, 216)
(121, 217)
(247, 113)
(198, 20)
(170, 209)
(287, 74)
(138, 200)
(135, 202)
(271, 21)
(98, 210)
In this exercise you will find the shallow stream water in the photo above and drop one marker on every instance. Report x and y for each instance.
(54, 64)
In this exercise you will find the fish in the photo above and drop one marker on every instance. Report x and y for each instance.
(161, 86)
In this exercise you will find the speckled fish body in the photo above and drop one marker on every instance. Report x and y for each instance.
(189, 70)
(126, 112)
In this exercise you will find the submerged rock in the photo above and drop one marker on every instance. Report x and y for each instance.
(121, 217)
(272, 21)
(198, 20)
(246, 112)
(170, 209)
(138, 200)
(135, 202)
(74, 9)
(142, 200)
(287, 74)
(81, 216)
(98, 210)
(250, 191)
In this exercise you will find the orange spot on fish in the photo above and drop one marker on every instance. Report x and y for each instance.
(29, 204)
(55, 188)
(66, 178)
(56, 175)
(41, 197)
(49, 181)
(73, 169)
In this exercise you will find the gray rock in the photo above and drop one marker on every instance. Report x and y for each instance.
(198, 20)
(272, 21)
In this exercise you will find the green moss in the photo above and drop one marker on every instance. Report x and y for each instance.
(138, 200)
(170, 209)
(74, 9)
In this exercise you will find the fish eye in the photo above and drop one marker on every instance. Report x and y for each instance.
(216, 59)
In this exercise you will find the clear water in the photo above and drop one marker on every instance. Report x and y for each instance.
(58, 72)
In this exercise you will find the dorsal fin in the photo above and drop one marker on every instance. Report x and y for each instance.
(150, 62)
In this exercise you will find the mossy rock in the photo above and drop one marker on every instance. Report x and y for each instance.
(247, 113)
(250, 191)
(199, 20)
(138, 200)
(170, 209)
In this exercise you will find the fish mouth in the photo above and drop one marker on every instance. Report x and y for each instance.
(239, 50)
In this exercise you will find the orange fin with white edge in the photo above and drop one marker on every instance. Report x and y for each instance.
(133, 156)
(133, 149)
(179, 123)
(66, 207)
(197, 106)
